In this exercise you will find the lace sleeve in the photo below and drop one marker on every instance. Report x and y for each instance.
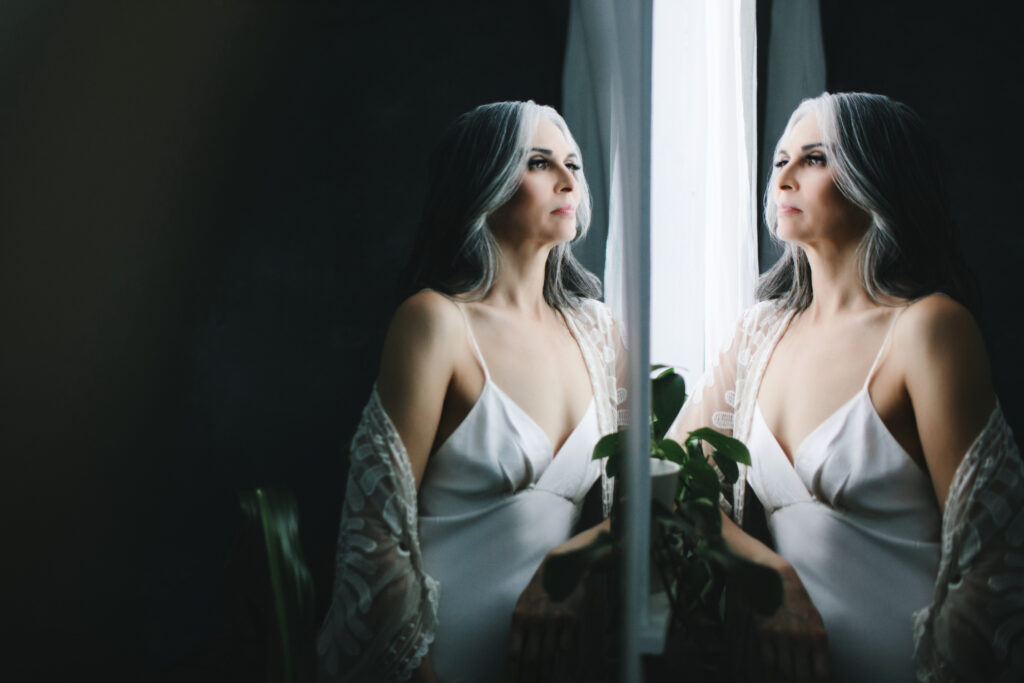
(974, 628)
(723, 396)
(601, 342)
(383, 611)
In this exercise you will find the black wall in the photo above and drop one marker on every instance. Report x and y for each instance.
(960, 66)
(203, 209)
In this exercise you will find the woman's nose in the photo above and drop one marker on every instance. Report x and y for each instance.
(567, 180)
(785, 178)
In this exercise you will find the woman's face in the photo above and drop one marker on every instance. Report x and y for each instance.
(543, 209)
(811, 209)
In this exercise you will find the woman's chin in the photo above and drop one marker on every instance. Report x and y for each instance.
(563, 234)
(788, 233)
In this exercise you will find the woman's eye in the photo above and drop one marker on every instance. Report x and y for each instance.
(779, 163)
(537, 162)
(815, 160)
(574, 167)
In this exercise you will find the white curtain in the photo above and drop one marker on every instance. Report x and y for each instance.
(660, 96)
(703, 177)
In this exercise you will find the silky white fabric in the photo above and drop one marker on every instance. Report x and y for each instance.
(384, 612)
(494, 499)
(972, 629)
(858, 520)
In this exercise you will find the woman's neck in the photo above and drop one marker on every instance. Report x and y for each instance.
(519, 283)
(836, 282)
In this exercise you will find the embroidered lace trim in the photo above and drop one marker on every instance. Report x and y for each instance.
(383, 612)
(973, 630)
(604, 354)
(723, 397)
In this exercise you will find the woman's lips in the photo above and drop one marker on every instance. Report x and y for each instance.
(787, 209)
(565, 211)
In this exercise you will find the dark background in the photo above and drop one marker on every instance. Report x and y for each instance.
(203, 210)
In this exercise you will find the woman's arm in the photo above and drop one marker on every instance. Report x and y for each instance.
(416, 368)
(712, 399)
(793, 641)
(366, 634)
(417, 364)
(544, 632)
(948, 381)
(976, 607)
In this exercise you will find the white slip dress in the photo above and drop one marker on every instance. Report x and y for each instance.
(858, 520)
(494, 499)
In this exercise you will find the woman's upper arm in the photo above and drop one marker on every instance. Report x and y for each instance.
(708, 403)
(949, 383)
(416, 367)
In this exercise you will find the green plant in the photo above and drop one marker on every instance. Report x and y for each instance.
(687, 548)
(270, 590)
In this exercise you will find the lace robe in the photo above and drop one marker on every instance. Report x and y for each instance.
(383, 613)
(973, 630)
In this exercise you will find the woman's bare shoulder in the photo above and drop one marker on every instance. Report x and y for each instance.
(427, 316)
(943, 347)
(938, 323)
(419, 355)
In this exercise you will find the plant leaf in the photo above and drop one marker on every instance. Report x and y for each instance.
(729, 447)
(700, 478)
(267, 555)
(671, 450)
(694, 449)
(729, 468)
(610, 446)
(668, 393)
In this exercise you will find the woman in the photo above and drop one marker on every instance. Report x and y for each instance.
(497, 377)
(860, 384)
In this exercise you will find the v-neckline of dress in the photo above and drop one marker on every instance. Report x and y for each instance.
(792, 457)
(488, 382)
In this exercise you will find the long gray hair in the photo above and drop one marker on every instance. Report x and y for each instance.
(476, 168)
(885, 163)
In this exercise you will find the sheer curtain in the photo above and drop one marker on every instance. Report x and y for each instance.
(606, 101)
(703, 177)
(668, 136)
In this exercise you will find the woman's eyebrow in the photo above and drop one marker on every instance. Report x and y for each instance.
(543, 150)
(804, 148)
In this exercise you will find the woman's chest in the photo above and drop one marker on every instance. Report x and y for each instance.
(810, 379)
(543, 373)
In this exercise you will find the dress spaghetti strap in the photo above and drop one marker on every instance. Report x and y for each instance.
(472, 340)
(885, 344)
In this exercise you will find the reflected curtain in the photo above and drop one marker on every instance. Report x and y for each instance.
(796, 69)
(602, 101)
